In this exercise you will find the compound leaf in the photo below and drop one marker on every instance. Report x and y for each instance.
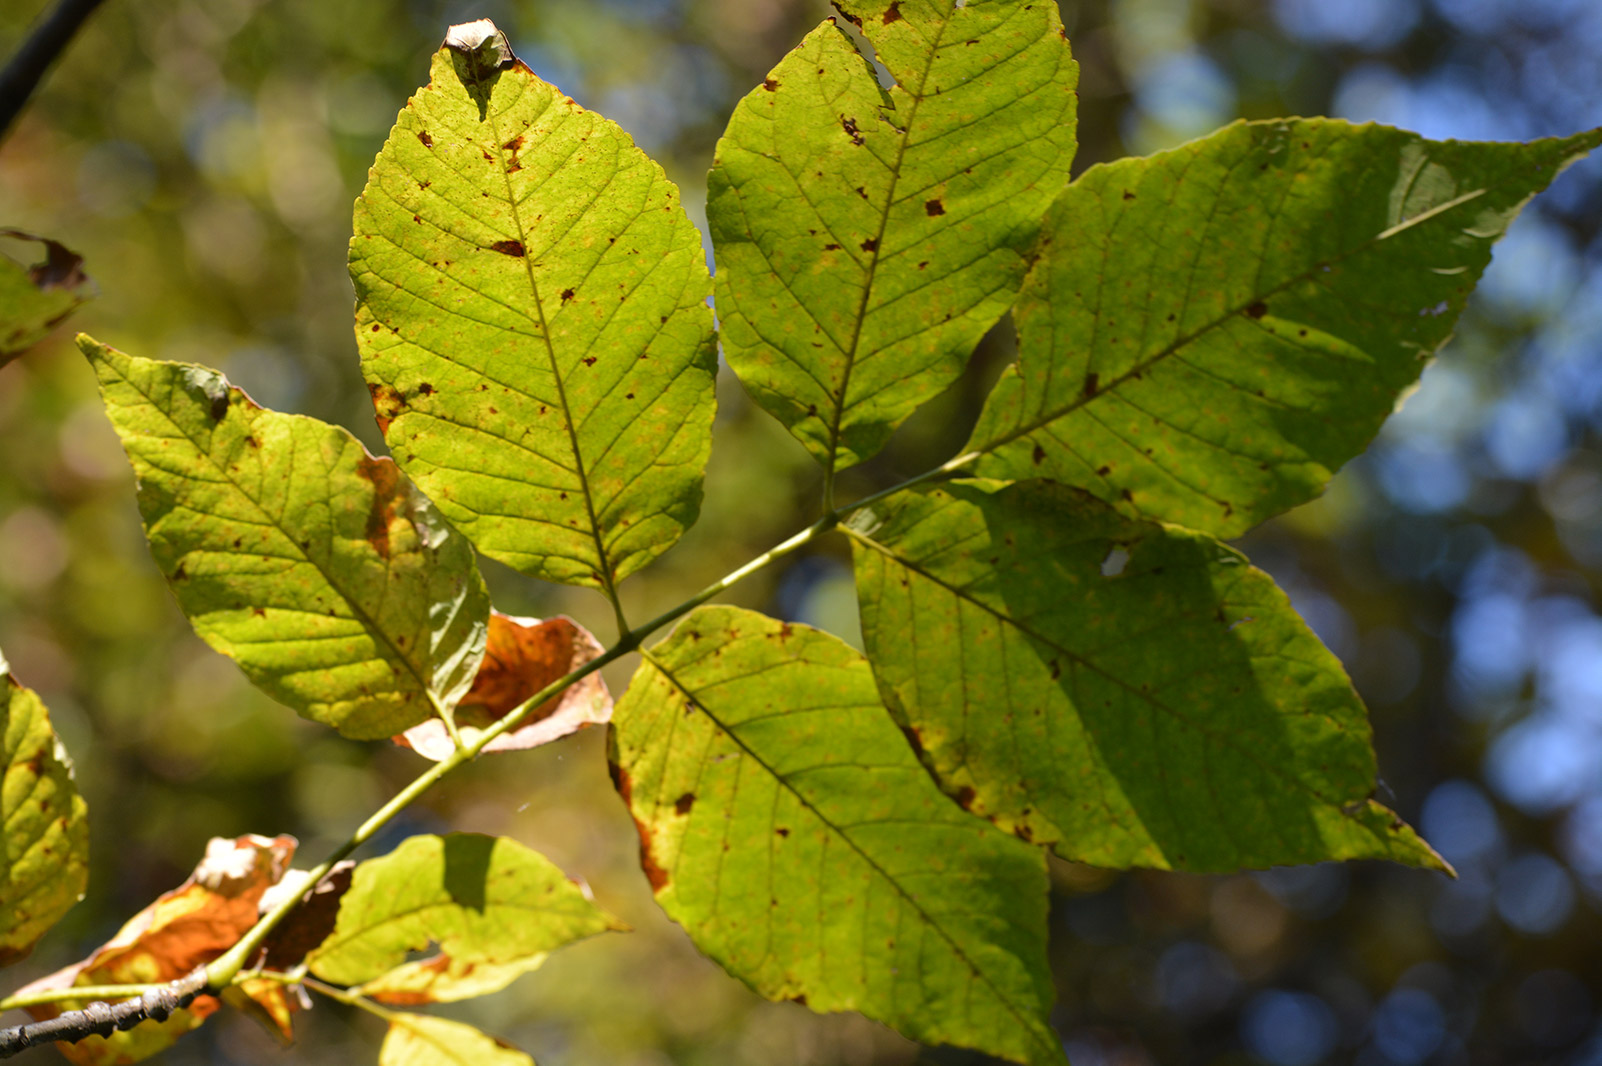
(494, 908)
(865, 239)
(46, 842)
(1132, 694)
(321, 570)
(419, 1040)
(787, 826)
(33, 300)
(532, 322)
(1210, 332)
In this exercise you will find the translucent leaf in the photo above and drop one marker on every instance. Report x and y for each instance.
(1132, 694)
(321, 570)
(418, 1040)
(33, 300)
(494, 908)
(866, 239)
(1212, 331)
(46, 841)
(185, 928)
(522, 656)
(532, 322)
(787, 826)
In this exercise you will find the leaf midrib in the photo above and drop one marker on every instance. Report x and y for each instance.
(361, 614)
(890, 201)
(1006, 619)
(570, 422)
(1177, 345)
(1023, 1019)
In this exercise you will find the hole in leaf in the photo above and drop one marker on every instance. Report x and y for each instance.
(1115, 562)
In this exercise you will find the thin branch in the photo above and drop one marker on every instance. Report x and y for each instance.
(103, 1019)
(50, 38)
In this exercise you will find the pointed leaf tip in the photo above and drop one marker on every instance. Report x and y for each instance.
(320, 569)
(542, 364)
(867, 239)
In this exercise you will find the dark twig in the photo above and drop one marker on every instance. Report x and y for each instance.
(102, 1019)
(50, 37)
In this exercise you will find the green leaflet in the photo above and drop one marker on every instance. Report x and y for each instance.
(1133, 694)
(333, 583)
(1212, 331)
(786, 825)
(46, 843)
(33, 300)
(866, 240)
(532, 323)
(494, 908)
(418, 1040)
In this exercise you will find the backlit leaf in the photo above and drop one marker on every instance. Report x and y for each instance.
(494, 908)
(185, 928)
(866, 239)
(787, 826)
(532, 322)
(522, 656)
(1132, 694)
(46, 842)
(418, 1040)
(321, 570)
(1212, 331)
(33, 300)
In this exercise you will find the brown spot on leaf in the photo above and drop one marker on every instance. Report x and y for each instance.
(782, 831)
(1091, 383)
(567, 295)
(425, 389)
(893, 12)
(653, 873)
(831, 247)
(384, 476)
(1257, 310)
(258, 612)
(1128, 195)
(589, 360)
(1038, 455)
(683, 804)
(219, 406)
(511, 248)
(387, 404)
(923, 264)
(422, 135)
(514, 144)
(376, 327)
(850, 126)
(770, 84)
(933, 208)
(965, 797)
(870, 245)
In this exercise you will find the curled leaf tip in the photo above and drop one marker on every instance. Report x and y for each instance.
(481, 38)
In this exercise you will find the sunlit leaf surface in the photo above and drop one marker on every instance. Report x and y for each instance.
(321, 570)
(1212, 331)
(419, 1040)
(785, 823)
(532, 321)
(866, 239)
(44, 864)
(493, 908)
